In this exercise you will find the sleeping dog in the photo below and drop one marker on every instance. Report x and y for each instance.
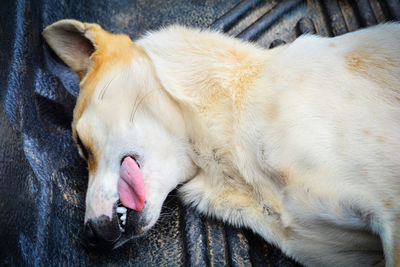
(300, 143)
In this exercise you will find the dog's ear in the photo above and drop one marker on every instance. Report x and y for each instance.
(73, 42)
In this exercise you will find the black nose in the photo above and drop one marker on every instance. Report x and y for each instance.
(101, 233)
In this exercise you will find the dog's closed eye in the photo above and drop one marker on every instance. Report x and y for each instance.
(82, 149)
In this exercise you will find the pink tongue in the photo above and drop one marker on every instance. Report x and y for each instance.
(130, 185)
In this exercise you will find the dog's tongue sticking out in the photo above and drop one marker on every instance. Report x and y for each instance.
(130, 185)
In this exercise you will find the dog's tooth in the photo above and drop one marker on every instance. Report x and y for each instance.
(121, 210)
(123, 217)
(123, 222)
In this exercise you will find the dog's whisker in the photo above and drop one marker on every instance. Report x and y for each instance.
(103, 91)
(133, 109)
(136, 107)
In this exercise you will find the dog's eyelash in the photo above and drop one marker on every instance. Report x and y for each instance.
(82, 147)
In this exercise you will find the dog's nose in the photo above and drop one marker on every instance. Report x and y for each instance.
(101, 233)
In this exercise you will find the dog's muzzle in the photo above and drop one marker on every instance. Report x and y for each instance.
(103, 233)
(128, 216)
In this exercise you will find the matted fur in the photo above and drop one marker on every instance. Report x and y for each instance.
(300, 143)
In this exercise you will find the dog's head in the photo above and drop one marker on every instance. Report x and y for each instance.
(128, 129)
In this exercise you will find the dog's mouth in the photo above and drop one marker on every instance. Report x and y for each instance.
(131, 185)
(130, 208)
(129, 218)
(131, 223)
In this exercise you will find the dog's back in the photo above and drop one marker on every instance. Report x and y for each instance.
(340, 99)
(335, 136)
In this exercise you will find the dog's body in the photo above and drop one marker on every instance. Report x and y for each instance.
(300, 143)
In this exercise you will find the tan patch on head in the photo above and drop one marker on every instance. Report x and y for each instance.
(111, 50)
(332, 45)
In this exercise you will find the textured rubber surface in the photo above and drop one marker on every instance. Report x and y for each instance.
(43, 182)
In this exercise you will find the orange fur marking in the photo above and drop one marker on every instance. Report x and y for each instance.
(235, 86)
(374, 63)
(332, 45)
(366, 132)
(93, 151)
(110, 50)
(364, 60)
(380, 139)
(93, 155)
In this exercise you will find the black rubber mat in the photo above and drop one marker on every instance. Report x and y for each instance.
(42, 179)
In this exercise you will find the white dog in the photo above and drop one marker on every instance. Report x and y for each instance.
(300, 143)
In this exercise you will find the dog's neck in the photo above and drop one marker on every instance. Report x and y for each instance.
(211, 77)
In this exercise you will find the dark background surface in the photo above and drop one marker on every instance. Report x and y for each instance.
(42, 180)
